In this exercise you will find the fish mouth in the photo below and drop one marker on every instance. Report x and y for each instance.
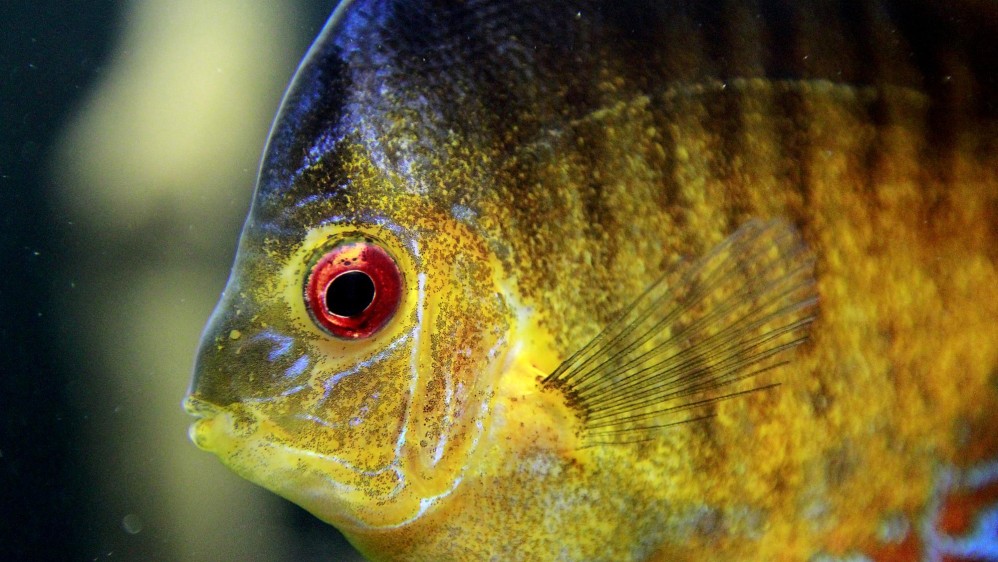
(206, 414)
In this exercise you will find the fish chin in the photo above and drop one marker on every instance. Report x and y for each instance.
(259, 449)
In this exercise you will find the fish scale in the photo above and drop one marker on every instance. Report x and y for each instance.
(676, 281)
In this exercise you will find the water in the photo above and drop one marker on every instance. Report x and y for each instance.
(131, 134)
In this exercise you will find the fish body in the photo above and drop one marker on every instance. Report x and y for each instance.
(625, 281)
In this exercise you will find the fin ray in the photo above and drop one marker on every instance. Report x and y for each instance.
(713, 322)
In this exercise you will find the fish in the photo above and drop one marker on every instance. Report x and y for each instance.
(579, 280)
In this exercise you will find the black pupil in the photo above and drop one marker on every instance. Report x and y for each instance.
(350, 294)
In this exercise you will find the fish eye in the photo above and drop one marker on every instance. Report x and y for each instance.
(353, 290)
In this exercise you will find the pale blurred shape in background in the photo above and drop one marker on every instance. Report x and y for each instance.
(179, 121)
(156, 176)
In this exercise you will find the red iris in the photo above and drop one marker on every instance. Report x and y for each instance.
(354, 290)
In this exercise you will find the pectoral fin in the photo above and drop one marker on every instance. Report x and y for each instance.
(682, 345)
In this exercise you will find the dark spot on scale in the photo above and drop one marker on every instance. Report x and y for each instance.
(821, 402)
(708, 523)
(840, 463)
(963, 431)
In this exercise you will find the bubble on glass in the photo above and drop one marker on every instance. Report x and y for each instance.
(132, 524)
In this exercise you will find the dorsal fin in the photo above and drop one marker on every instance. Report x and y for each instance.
(682, 344)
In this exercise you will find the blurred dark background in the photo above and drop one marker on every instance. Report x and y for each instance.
(52, 51)
(130, 136)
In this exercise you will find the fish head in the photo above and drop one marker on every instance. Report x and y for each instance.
(350, 362)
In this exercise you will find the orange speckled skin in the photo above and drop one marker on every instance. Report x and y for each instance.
(532, 169)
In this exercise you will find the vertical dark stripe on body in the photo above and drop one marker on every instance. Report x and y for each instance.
(790, 120)
(873, 46)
